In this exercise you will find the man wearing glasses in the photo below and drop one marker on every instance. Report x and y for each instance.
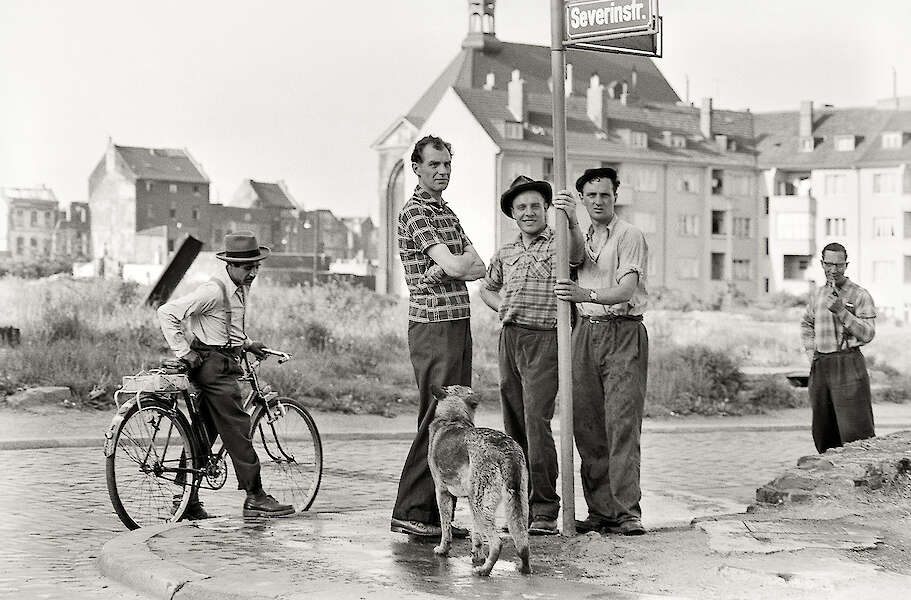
(216, 312)
(838, 321)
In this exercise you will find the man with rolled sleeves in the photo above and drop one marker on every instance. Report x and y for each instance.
(610, 359)
(839, 320)
(438, 259)
(520, 287)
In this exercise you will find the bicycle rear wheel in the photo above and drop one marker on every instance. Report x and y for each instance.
(290, 452)
(148, 472)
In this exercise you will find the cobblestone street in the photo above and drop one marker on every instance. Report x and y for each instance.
(57, 513)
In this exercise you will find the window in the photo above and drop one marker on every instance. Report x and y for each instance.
(836, 227)
(892, 139)
(718, 227)
(688, 225)
(743, 227)
(678, 141)
(717, 266)
(638, 139)
(834, 184)
(170, 245)
(795, 265)
(767, 248)
(547, 172)
(766, 285)
(172, 212)
(766, 201)
(741, 268)
(883, 183)
(195, 214)
(807, 144)
(883, 227)
(20, 245)
(33, 243)
(513, 130)
(717, 181)
(688, 268)
(196, 190)
(34, 219)
(48, 219)
(172, 188)
(844, 143)
(47, 247)
(883, 271)
(688, 182)
(794, 226)
(646, 179)
(148, 186)
(645, 221)
(907, 269)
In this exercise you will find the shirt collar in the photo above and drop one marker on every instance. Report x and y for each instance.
(610, 227)
(230, 286)
(422, 195)
(545, 234)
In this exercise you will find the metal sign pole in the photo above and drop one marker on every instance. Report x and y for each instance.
(564, 352)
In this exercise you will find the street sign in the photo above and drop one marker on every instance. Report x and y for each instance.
(620, 26)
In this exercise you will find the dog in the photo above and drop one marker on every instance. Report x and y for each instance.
(484, 465)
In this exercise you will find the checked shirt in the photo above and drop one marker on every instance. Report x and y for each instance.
(425, 222)
(825, 332)
(527, 278)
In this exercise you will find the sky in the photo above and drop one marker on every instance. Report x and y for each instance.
(298, 90)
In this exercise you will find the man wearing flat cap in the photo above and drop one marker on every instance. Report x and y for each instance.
(216, 312)
(610, 359)
(520, 287)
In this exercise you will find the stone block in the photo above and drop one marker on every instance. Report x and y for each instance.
(39, 396)
(792, 481)
(814, 462)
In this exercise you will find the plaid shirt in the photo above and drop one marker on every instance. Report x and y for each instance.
(527, 278)
(425, 222)
(821, 330)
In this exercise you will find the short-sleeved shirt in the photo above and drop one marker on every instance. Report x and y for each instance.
(527, 277)
(425, 222)
(824, 332)
(624, 251)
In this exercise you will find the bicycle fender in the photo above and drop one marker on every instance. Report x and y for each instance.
(115, 423)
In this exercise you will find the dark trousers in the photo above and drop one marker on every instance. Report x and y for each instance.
(839, 390)
(528, 392)
(441, 355)
(221, 410)
(610, 368)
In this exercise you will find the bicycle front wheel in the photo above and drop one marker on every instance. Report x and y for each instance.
(290, 452)
(150, 468)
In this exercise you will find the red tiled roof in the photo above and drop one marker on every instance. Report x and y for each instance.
(162, 164)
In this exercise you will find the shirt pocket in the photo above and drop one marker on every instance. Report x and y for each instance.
(540, 266)
(513, 268)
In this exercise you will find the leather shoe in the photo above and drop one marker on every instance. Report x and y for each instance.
(593, 524)
(543, 526)
(631, 527)
(262, 504)
(196, 512)
(415, 528)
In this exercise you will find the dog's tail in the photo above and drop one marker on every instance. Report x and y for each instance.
(515, 482)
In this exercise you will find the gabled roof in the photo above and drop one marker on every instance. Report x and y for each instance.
(470, 67)
(162, 164)
(584, 138)
(30, 194)
(778, 140)
(272, 194)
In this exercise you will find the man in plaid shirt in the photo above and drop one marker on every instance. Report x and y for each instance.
(438, 259)
(520, 287)
(838, 321)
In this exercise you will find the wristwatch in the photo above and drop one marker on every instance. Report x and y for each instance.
(593, 295)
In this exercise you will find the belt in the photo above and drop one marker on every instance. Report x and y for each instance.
(609, 318)
(844, 351)
(197, 345)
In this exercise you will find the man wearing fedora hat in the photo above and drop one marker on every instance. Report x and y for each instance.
(520, 287)
(216, 312)
(610, 359)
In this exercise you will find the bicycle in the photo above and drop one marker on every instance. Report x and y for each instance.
(156, 455)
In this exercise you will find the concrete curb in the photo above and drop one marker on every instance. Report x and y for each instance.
(98, 442)
(128, 560)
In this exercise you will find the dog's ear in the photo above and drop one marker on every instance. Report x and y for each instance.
(437, 392)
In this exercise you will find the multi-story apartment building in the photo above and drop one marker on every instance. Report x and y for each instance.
(72, 238)
(689, 175)
(28, 217)
(840, 175)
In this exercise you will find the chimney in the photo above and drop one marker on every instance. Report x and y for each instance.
(596, 102)
(806, 119)
(568, 83)
(490, 81)
(110, 157)
(518, 101)
(705, 118)
(667, 138)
